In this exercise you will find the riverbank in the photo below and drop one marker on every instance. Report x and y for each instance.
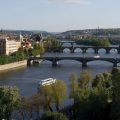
(13, 65)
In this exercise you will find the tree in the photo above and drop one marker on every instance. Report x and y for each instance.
(85, 78)
(53, 116)
(94, 106)
(29, 107)
(92, 97)
(47, 93)
(92, 101)
(102, 80)
(54, 93)
(38, 49)
(73, 86)
(9, 100)
(115, 114)
(94, 41)
(52, 44)
(59, 92)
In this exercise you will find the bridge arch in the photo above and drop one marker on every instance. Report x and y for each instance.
(66, 49)
(102, 61)
(66, 44)
(90, 50)
(113, 51)
(77, 50)
(101, 50)
(64, 61)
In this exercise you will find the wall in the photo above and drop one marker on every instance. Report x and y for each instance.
(13, 65)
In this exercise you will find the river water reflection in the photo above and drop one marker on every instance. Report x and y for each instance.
(27, 78)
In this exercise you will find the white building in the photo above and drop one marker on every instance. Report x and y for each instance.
(8, 46)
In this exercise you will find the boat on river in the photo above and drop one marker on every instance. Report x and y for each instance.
(46, 82)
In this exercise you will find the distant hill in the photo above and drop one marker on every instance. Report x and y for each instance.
(111, 31)
(44, 33)
(27, 32)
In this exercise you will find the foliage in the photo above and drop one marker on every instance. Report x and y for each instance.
(9, 100)
(115, 114)
(73, 86)
(92, 98)
(85, 78)
(91, 104)
(30, 106)
(103, 80)
(46, 92)
(108, 32)
(94, 41)
(17, 56)
(59, 92)
(22, 54)
(54, 93)
(5, 59)
(52, 44)
(38, 49)
(53, 116)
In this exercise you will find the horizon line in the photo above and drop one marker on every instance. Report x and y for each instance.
(57, 31)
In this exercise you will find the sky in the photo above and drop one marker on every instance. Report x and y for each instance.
(59, 15)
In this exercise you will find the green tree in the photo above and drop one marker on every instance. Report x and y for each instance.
(54, 93)
(103, 80)
(92, 97)
(115, 114)
(38, 49)
(53, 116)
(52, 44)
(94, 41)
(93, 105)
(73, 86)
(47, 93)
(59, 90)
(85, 78)
(9, 100)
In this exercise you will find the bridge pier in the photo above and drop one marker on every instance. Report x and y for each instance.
(115, 64)
(72, 50)
(107, 51)
(96, 51)
(84, 64)
(83, 50)
(29, 62)
(118, 51)
(61, 50)
(54, 63)
(71, 44)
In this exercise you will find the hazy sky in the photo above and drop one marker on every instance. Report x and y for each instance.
(59, 15)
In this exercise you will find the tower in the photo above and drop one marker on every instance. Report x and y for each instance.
(21, 38)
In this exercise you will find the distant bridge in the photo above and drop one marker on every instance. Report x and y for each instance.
(72, 48)
(70, 42)
(85, 48)
(83, 60)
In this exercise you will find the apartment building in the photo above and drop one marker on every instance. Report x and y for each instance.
(8, 46)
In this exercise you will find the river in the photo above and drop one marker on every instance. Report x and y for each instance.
(27, 78)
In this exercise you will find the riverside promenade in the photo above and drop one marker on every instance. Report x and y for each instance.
(13, 65)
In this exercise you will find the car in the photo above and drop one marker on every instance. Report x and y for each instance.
(96, 56)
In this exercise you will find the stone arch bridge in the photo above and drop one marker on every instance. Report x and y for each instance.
(85, 48)
(83, 60)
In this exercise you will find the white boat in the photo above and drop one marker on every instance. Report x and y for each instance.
(46, 82)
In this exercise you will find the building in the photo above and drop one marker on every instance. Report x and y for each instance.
(8, 46)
